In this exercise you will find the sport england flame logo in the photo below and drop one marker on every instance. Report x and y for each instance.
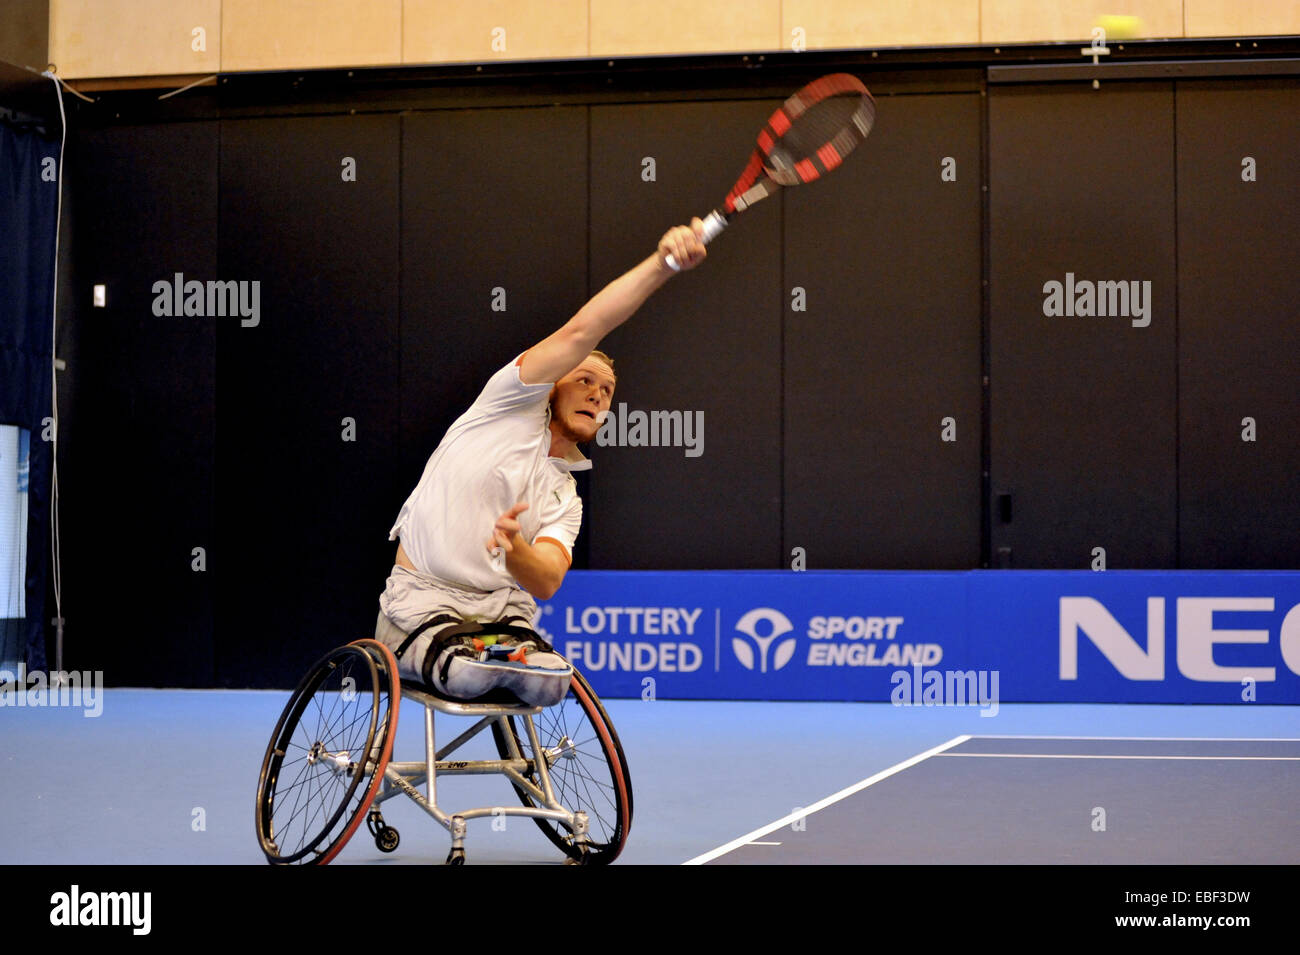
(748, 625)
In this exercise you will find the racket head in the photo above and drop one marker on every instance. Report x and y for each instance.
(809, 135)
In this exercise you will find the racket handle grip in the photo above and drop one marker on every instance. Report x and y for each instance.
(714, 223)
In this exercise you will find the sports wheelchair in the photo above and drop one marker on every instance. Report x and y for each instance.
(328, 765)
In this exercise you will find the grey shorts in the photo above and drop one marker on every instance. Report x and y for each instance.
(410, 598)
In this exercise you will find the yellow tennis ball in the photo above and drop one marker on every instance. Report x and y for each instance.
(1119, 27)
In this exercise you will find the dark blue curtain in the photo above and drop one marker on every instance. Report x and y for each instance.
(28, 203)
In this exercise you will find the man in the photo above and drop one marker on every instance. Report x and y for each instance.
(492, 522)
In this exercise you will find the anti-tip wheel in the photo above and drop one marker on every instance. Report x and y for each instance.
(388, 839)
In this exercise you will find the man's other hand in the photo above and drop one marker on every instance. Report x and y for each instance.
(505, 530)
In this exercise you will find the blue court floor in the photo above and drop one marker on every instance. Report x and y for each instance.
(169, 776)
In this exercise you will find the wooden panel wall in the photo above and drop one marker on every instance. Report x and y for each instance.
(115, 38)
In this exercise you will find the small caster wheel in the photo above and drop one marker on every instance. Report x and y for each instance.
(582, 857)
(387, 839)
(456, 857)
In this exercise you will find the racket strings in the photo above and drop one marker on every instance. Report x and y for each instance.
(827, 130)
(809, 135)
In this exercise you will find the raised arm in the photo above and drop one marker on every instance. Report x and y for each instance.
(558, 354)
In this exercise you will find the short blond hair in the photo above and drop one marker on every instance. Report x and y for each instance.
(605, 358)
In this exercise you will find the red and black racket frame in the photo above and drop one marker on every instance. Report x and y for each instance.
(769, 168)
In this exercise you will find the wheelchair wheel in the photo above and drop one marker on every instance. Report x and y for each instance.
(587, 768)
(327, 756)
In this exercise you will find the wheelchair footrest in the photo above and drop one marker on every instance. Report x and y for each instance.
(537, 678)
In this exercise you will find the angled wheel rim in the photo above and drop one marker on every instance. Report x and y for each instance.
(318, 723)
(604, 793)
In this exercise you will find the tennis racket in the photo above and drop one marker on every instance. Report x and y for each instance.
(807, 137)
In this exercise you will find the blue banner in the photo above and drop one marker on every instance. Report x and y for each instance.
(922, 638)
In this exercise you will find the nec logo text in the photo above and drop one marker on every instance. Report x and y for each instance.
(1196, 638)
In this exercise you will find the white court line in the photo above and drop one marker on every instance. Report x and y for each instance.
(763, 843)
(748, 838)
(1205, 739)
(1098, 756)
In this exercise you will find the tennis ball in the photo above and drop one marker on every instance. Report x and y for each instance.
(1119, 27)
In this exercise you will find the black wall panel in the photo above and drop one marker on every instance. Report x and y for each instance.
(302, 550)
(1239, 325)
(481, 212)
(136, 451)
(887, 252)
(706, 344)
(1083, 410)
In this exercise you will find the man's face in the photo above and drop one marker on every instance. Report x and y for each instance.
(580, 399)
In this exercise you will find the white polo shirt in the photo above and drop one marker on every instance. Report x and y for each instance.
(495, 455)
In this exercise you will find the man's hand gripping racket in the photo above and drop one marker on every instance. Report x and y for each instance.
(807, 137)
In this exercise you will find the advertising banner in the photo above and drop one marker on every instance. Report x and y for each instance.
(954, 638)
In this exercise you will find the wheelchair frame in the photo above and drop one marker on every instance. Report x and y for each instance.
(333, 774)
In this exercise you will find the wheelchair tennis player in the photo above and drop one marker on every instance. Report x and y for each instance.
(491, 524)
